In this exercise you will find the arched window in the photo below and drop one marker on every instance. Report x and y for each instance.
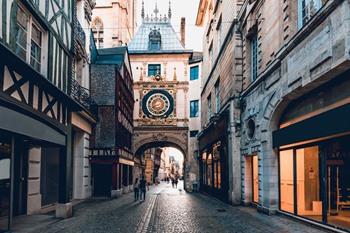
(97, 30)
(154, 39)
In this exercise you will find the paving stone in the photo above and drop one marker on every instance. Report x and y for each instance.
(171, 210)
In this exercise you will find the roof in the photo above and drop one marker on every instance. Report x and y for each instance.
(196, 57)
(110, 56)
(170, 43)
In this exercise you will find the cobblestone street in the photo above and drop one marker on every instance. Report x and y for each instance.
(170, 210)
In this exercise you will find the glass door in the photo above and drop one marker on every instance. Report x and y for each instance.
(5, 183)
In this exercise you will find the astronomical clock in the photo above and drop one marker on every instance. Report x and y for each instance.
(158, 103)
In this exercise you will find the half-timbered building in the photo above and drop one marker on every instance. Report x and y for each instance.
(36, 107)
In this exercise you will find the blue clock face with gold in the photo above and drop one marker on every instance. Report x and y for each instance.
(157, 103)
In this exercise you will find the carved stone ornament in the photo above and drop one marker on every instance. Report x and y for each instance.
(88, 7)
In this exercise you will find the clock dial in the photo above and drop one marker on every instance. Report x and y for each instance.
(157, 103)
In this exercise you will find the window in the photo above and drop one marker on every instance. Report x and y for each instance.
(217, 96)
(307, 9)
(194, 73)
(35, 54)
(21, 34)
(254, 57)
(193, 133)
(28, 33)
(286, 181)
(209, 107)
(153, 69)
(154, 40)
(97, 30)
(211, 56)
(194, 108)
(219, 33)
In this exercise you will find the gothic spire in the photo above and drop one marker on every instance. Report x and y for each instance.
(169, 11)
(156, 11)
(143, 10)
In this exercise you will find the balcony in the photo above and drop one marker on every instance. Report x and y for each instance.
(81, 95)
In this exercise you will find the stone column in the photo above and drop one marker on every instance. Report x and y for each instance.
(34, 195)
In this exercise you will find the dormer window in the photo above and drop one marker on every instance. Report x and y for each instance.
(154, 39)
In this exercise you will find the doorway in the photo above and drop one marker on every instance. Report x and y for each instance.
(5, 182)
(255, 178)
(20, 182)
(102, 180)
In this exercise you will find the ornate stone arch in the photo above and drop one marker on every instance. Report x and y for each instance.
(145, 139)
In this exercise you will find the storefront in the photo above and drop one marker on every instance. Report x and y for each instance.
(314, 158)
(213, 160)
(112, 175)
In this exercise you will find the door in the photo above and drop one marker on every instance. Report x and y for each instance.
(20, 178)
(102, 176)
(5, 183)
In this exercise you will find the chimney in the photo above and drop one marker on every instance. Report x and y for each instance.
(182, 30)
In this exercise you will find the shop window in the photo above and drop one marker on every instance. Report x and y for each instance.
(209, 170)
(255, 179)
(49, 176)
(338, 182)
(194, 108)
(286, 181)
(307, 9)
(5, 182)
(153, 69)
(217, 167)
(308, 184)
(204, 168)
(194, 73)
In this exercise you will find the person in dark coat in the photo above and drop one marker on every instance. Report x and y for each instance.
(137, 189)
(143, 184)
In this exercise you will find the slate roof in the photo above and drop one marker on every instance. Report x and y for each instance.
(170, 43)
(110, 56)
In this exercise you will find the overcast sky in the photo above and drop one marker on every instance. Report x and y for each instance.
(180, 8)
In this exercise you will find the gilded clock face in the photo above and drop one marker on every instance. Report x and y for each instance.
(157, 103)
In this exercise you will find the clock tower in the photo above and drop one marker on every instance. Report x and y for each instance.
(160, 65)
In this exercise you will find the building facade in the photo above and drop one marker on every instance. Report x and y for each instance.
(194, 95)
(219, 140)
(37, 108)
(159, 63)
(84, 120)
(111, 154)
(113, 22)
(295, 106)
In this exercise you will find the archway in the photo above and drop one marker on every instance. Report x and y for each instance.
(146, 139)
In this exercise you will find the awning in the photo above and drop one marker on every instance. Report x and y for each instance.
(333, 122)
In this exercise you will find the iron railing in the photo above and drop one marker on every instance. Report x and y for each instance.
(81, 95)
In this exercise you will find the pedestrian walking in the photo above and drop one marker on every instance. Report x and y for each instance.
(143, 184)
(176, 181)
(137, 189)
(172, 182)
